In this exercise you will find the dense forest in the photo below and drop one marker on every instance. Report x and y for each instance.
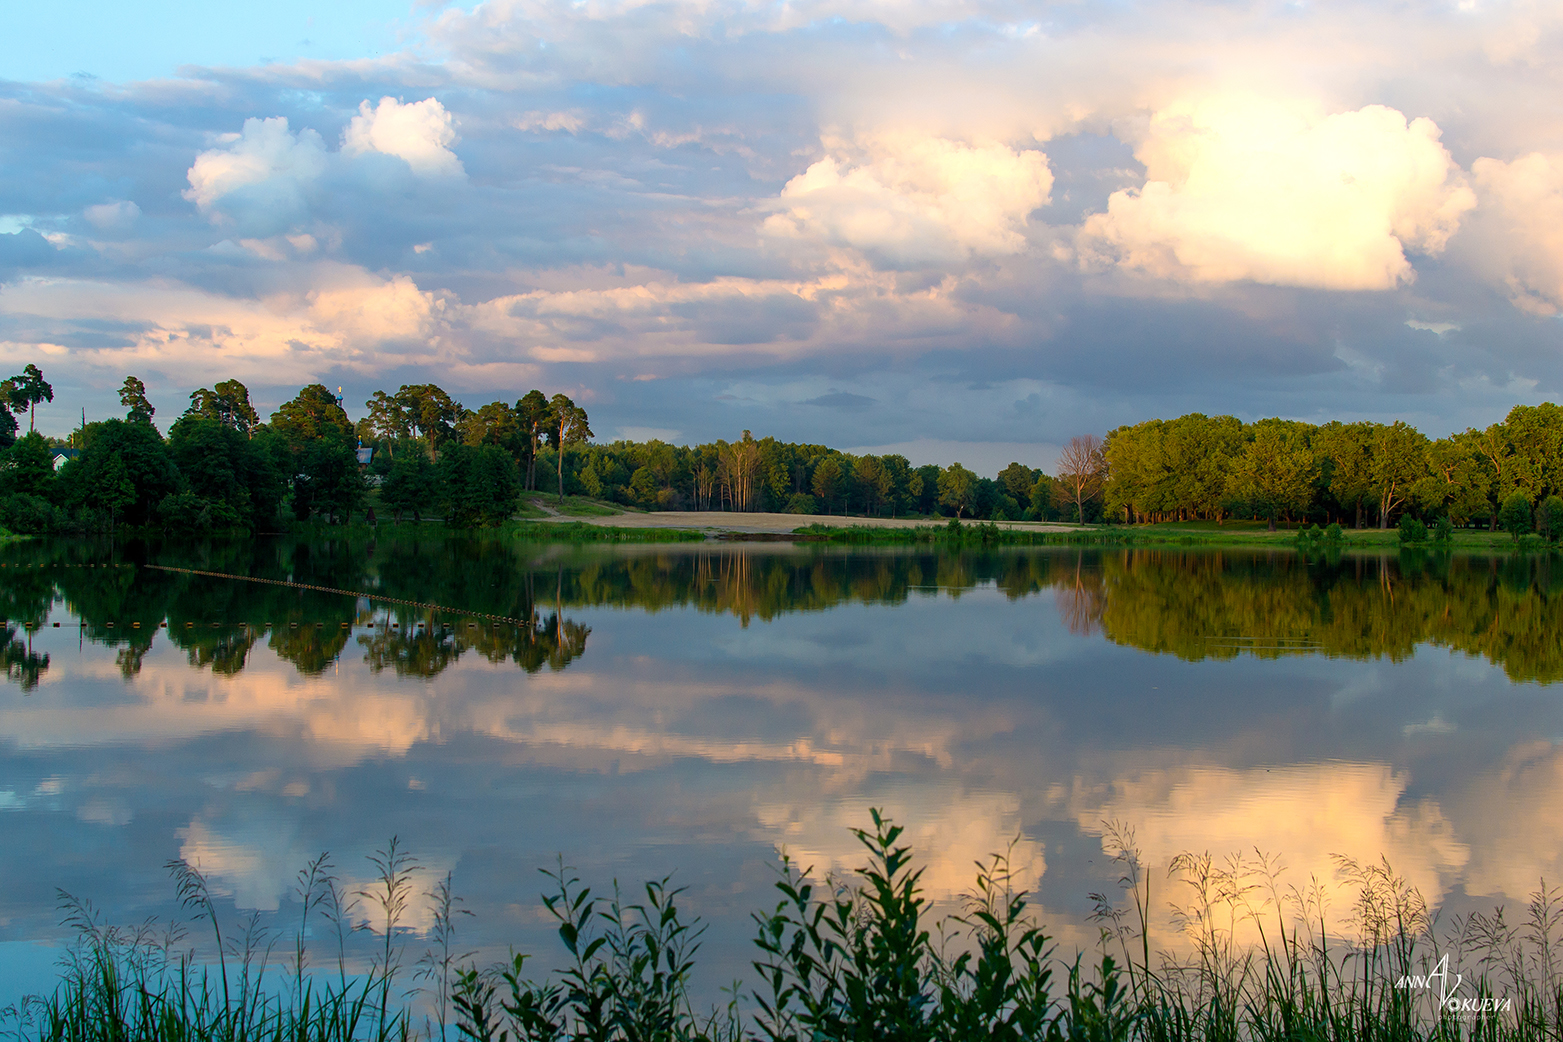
(220, 467)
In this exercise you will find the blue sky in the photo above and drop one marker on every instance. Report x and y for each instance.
(120, 42)
(968, 228)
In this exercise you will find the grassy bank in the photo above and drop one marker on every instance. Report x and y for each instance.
(580, 532)
(544, 504)
(524, 529)
(854, 959)
(1232, 535)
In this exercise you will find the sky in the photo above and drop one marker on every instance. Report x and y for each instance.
(960, 229)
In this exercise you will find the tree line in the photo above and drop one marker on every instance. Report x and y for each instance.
(1509, 474)
(221, 467)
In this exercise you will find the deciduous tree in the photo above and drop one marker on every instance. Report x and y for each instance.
(1345, 451)
(1399, 462)
(1276, 472)
(956, 487)
(1082, 470)
(1514, 515)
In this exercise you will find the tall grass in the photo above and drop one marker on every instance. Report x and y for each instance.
(860, 958)
(146, 984)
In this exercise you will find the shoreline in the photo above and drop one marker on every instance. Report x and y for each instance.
(775, 527)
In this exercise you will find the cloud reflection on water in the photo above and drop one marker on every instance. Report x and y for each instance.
(685, 740)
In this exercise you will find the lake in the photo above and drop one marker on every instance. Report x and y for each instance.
(643, 711)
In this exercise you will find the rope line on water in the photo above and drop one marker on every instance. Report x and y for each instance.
(345, 593)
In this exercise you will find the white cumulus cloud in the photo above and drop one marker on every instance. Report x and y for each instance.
(918, 201)
(266, 168)
(420, 133)
(1244, 189)
(1522, 227)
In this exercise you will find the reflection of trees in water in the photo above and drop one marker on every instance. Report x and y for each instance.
(225, 652)
(411, 654)
(1218, 605)
(310, 647)
(531, 640)
(1191, 604)
(551, 641)
(23, 666)
(128, 659)
(1081, 599)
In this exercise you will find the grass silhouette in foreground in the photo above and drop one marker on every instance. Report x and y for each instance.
(854, 959)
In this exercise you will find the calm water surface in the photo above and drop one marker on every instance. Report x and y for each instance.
(689, 710)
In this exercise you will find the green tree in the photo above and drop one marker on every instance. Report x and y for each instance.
(220, 463)
(1346, 452)
(479, 484)
(901, 496)
(312, 414)
(591, 481)
(133, 396)
(113, 490)
(27, 390)
(430, 413)
(493, 424)
(643, 487)
(409, 486)
(1139, 482)
(329, 483)
(1199, 452)
(29, 467)
(86, 481)
(827, 481)
(1549, 518)
(1535, 441)
(387, 419)
(1514, 515)
(926, 488)
(1018, 480)
(956, 488)
(1276, 472)
(1411, 531)
(1457, 482)
(531, 414)
(1044, 493)
(567, 425)
(1399, 462)
(228, 404)
(1498, 457)
(873, 483)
